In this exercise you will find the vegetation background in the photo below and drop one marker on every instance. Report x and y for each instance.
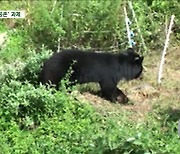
(34, 119)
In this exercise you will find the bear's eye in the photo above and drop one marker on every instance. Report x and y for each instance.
(137, 58)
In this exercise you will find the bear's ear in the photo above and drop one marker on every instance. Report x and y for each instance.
(130, 50)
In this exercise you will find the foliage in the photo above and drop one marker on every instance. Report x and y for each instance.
(27, 70)
(33, 65)
(14, 46)
(40, 120)
(68, 24)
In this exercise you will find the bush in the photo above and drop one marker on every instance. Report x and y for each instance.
(33, 66)
(46, 120)
(27, 70)
(70, 24)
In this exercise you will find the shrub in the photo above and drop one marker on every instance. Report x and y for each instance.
(27, 70)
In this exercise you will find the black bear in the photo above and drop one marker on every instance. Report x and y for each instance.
(107, 69)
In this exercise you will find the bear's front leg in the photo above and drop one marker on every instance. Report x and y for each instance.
(112, 93)
(120, 96)
(108, 91)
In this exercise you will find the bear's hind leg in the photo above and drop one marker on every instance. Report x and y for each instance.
(49, 78)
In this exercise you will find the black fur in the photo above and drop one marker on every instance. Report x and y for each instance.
(104, 68)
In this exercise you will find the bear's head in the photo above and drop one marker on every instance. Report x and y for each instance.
(133, 64)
